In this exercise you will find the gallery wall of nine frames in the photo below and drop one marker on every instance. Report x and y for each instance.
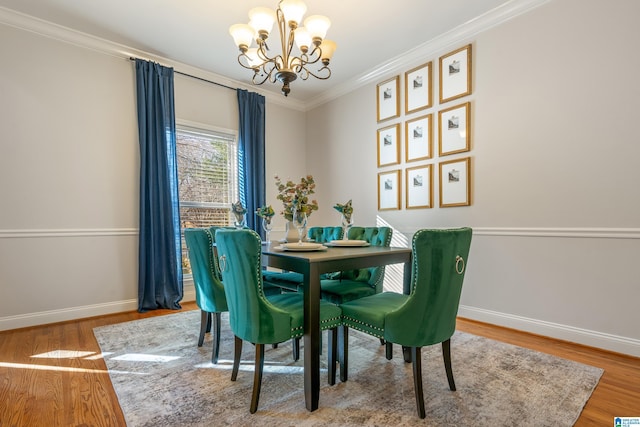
(420, 119)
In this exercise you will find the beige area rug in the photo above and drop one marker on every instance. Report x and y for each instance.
(162, 378)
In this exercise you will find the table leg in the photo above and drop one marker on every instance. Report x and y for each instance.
(312, 338)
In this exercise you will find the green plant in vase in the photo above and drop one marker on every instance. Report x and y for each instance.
(347, 217)
(238, 212)
(296, 196)
(266, 213)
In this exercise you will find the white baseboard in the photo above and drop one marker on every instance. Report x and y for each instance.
(72, 313)
(586, 337)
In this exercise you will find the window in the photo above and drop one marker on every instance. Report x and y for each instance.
(207, 179)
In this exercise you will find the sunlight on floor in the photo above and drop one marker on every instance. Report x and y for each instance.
(87, 355)
(248, 366)
(63, 354)
(141, 357)
(49, 368)
(71, 354)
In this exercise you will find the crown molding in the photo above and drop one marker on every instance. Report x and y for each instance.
(67, 35)
(430, 49)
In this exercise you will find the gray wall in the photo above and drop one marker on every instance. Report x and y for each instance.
(554, 165)
(554, 149)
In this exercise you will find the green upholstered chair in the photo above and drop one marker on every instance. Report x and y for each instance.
(269, 289)
(290, 280)
(210, 295)
(259, 319)
(353, 284)
(427, 315)
(324, 234)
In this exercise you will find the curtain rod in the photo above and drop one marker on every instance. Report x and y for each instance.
(131, 58)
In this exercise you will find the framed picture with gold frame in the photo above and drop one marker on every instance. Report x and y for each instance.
(389, 190)
(455, 74)
(455, 182)
(389, 145)
(454, 129)
(388, 99)
(417, 88)
(419, 187)
(418, 138)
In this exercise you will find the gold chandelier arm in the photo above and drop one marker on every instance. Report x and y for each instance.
(243, 56)
(256, 80)
(286, 43)
(261, 74)
(262, 52)
(304, 75)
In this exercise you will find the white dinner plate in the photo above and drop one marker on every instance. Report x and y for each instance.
(305, 245)
(304, 248)
(349, 243)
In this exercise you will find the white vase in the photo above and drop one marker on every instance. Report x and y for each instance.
(291, 233)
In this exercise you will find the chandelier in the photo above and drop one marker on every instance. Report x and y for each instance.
(289, 64)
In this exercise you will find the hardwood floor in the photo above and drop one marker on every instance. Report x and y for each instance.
(52, 375)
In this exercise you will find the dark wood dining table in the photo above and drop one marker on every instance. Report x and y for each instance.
(311, 265)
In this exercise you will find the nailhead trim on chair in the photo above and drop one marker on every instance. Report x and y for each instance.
(332, 322)
(369, 331)
(259, 269)
(414, 262)
(214, 273)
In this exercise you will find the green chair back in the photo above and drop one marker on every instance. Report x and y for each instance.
(375, 236)
(210, 293)
(251, 316)
(325, 234)
(438, 268)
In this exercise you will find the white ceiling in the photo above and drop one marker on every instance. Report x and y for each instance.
(195, 32)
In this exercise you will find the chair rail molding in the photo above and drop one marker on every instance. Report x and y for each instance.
(566, 232)
(584, 232)
(67, 232)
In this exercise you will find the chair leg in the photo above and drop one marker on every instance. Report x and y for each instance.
(237, 352)
(205, 318)
(388, 350)
(343, 351)
(382, 341)
(209, 323)
(332, 343)
(417, 380)
(446, 354)
(406, 353)
(257, 378)
(296, 349)
(217, 320)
